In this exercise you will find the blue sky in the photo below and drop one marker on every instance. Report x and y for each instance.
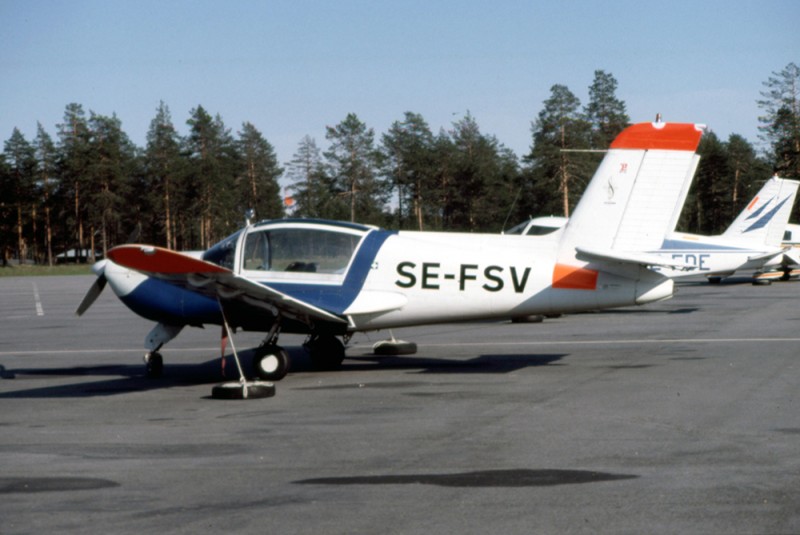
(293, 67)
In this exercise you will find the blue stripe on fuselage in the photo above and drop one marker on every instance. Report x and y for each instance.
(669, 246)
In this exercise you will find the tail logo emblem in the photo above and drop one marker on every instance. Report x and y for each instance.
(610, 188)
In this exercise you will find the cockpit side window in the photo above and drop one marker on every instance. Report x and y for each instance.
(223, 252)
(538, 230)
(304, 250)
(256, 251)
(517, 229)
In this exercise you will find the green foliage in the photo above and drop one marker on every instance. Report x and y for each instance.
(780, 124)
(728, 176)
(353, 164)
(605, 112)
(258, 181)
(312, 189)
(93, 189)
(557, 174)
(408, 149)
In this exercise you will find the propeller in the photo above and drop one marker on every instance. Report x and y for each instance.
(96, 288)
(99, 269)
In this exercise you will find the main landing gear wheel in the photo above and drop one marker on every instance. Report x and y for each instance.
(154, 365)
(271, 363)
(326, 352)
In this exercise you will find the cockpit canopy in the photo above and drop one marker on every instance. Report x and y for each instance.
(538, 226)
(294, 246)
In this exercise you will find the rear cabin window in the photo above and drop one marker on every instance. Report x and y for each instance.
(299, 250)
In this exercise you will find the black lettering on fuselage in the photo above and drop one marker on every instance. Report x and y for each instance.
(428, 274)
(466, 276)
(404, 270)
(492, 273)
(519, 285)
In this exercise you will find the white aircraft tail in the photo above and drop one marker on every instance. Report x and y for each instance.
(764, 219)
(637, 192)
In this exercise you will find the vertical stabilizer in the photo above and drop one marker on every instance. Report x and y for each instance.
(764, 219)
(638, 190)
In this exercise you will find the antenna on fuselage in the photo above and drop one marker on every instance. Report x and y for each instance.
(248, 216)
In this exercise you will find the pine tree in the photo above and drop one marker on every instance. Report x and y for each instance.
(408, 150)
(605, 113)
(112, 158)
(20, 159)
(164, 167)
(354, 162)
(558, 129)
(748, 172)
(781, 122)
(6, 212)
(46, 182)
(259, 187)
(483, 174)
(312, 189)
(73, 165)
(208, 207)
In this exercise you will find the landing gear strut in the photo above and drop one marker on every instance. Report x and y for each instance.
(242, 389)
(157, 337)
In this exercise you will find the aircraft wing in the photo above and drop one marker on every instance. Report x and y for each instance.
(633, 258)
(215, 281)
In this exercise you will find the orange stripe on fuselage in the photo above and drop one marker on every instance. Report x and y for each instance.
(574, 278)
(752, 203)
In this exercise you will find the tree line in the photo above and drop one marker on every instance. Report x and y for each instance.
(91, 188)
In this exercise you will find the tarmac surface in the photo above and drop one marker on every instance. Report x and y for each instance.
(677, 417)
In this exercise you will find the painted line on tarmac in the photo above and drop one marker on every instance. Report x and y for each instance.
(454, 344)
(39, 308)
(97, 351)
(610, 342)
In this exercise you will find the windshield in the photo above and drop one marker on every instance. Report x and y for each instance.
(309, 250)
(518, 229)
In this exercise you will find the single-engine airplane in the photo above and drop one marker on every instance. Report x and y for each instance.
(751, 242)
(332, 279)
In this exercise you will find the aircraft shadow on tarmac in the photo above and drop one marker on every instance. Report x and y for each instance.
(483, 364)
(478, 479)
(115, 379)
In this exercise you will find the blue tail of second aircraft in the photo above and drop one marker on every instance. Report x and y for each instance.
(764, 219)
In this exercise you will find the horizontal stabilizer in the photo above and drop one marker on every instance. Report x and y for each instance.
(212, 280)
(767, 255)
(791, 256)
(640, 259)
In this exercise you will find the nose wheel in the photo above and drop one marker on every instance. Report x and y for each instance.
(153, 365)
